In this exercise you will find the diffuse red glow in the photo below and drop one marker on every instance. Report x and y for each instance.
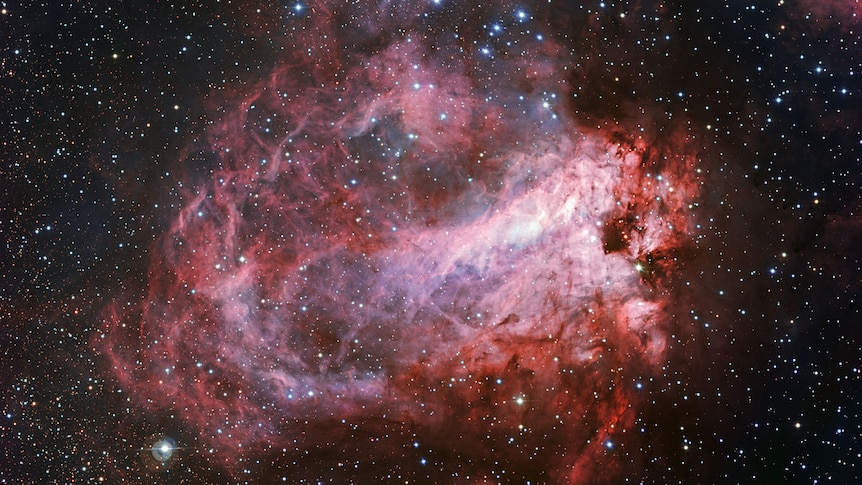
(401, 243)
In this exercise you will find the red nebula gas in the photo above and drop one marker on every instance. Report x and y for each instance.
(385, 243)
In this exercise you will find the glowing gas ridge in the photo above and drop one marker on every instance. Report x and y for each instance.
(399, 244)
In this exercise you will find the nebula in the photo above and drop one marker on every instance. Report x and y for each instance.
(413, 236)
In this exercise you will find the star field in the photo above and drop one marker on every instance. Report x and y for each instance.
(433, 241)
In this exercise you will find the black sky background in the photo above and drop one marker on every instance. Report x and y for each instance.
(99, 99)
